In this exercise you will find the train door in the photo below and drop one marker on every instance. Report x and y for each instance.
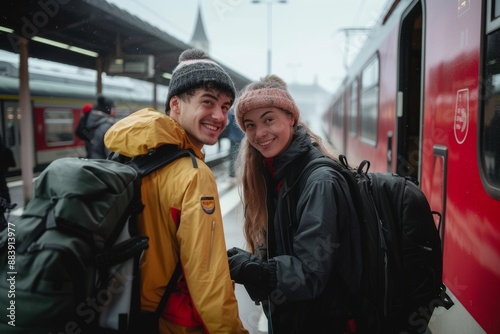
(409, 98)
(490, 120)
(10, 127)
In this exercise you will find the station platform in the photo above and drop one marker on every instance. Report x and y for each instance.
(251, 315)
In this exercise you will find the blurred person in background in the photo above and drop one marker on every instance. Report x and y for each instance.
(99, 120)
(81, 131)
(235, 136)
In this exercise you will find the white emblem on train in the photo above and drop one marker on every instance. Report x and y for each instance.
(461, 121)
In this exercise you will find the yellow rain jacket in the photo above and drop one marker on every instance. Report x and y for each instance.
(182, 218)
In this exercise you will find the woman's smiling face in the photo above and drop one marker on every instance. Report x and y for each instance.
(269, 130)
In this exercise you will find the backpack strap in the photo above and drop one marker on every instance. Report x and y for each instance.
(122, 252)
(148, 322)
(159, 157)
(168, 290)
(316, 160)
(316, 163)
(319, 160)
(343, 168)
(37, 232)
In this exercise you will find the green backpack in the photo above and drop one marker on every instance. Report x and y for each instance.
(70, 263)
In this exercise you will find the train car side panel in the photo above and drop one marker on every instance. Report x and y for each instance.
(450, 159)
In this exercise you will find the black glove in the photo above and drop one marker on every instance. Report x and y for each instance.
(257, 292)
(247, 268)
(251, 271)
(235, 250)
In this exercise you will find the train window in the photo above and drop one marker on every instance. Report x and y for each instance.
(338, 119)
(12, 118)
(58, 127)
(490, 150)
(353, 110)
(492, 15)
(369, 102)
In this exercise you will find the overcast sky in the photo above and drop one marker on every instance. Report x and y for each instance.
(307, 38)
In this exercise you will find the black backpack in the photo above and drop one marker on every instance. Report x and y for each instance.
(72, 258)
(401, 282)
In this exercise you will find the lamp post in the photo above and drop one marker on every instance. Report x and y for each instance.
(269, 28)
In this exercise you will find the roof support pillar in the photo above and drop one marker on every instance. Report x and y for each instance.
(27, 147)
(99, 66)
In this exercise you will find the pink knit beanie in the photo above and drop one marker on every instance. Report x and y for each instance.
(257, 95)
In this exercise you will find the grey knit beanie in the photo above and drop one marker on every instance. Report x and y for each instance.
(196, 70)
(104, 104)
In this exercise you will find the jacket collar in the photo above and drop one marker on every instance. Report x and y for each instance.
(301, 143)
(144, 130)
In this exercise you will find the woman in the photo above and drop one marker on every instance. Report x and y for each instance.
(304, 258)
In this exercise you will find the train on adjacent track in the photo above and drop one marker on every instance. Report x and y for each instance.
(58, 94)
(422, 99)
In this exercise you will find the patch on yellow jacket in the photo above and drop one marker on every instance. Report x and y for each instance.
(208, 204)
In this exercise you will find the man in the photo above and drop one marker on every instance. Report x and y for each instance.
(182, 214)
(99, 120)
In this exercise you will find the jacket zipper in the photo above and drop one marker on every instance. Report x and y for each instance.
(268, 311)
(211, 244)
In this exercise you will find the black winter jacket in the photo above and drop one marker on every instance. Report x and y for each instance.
(97, 124)
(313, 250)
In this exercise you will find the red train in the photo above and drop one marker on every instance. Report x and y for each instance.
(422, 99)
(58, 94)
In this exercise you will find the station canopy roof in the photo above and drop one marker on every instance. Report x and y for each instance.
(93, 25)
